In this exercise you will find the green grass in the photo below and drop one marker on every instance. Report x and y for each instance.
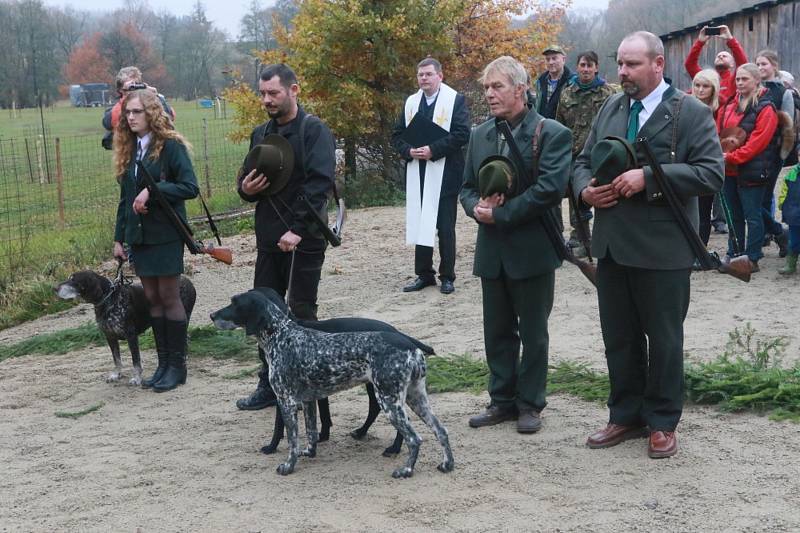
(37, 244)
(77, 414)
(748, 376)
(204, 341)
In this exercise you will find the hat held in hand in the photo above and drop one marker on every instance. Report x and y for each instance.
(274, 158)
(496, 175)
(611, 157)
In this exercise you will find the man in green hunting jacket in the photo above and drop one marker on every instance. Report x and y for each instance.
(644, 260)
(513, 256)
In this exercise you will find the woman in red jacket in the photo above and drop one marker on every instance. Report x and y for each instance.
(747, 167)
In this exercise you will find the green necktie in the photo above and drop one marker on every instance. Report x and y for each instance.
(633, 120)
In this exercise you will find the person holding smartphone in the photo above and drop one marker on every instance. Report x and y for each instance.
(725, 62)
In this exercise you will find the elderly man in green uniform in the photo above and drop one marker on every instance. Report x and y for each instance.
(644, 260)
(579, 103)
(513, 256)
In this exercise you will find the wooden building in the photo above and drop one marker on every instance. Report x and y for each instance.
(774, 25)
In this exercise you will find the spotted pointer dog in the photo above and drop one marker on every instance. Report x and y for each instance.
(306, 365)
(121, 311)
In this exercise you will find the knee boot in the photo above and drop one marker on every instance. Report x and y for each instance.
(791, 265)
(159, 325)
(176, 371)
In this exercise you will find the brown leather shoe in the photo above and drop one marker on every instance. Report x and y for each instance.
(662, 444)
(613, 434)
(528, 421)
(491, 416)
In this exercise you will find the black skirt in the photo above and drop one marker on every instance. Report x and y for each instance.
(158, 259)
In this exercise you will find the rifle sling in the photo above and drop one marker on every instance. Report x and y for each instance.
(548, 221)
(707, 261)
(184, 231)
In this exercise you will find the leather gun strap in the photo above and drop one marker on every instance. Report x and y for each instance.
(537, 150)
(677, 113)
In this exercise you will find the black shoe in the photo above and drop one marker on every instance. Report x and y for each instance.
(159, 325)
(419, 284)
(720, 227)
(447, 286)
(176, 365)
(260, 399)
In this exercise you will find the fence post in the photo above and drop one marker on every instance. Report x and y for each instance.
(39, 159)
(30, 163)
(205, 158)
(60, 183)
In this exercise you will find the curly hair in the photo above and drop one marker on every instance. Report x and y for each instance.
(158, 122)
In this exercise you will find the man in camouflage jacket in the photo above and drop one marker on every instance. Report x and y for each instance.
(577, 106)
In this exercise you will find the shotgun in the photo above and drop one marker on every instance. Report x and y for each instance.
(220, 253)
(564, 253)
(739, 267)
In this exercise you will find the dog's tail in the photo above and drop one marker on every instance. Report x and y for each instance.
(427, 350)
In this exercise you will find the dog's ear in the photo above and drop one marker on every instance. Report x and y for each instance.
(272, 295)
(258, 318)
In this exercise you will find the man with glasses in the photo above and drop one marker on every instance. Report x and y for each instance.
(434, 172)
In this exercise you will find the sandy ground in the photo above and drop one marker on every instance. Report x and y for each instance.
(189, 461)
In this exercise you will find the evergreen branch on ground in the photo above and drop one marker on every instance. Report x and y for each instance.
(78, 414)
(748, 376)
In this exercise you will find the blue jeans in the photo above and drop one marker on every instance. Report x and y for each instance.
(771, 226)
(745, 205)
(794, 240)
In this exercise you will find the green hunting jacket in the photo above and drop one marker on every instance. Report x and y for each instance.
(175, 179)
(516, 244)
(577, 108)
(641, 231)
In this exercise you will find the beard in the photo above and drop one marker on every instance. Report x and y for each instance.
(630, 88)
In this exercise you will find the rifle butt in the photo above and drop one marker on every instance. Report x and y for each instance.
(589, 270)
(220, 253)
(738, 267)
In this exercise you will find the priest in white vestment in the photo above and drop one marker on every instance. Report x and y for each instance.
(434, 173)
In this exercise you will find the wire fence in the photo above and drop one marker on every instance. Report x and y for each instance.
(58, 195)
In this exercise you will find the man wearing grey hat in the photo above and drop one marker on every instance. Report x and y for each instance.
(513, 255)
(290, 248)
(644, 258)
(550, 84)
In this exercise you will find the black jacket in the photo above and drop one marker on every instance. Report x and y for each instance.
(547, 108)
(450, 146)
(320, 166)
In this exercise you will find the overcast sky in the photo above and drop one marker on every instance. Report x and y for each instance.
(225, 14)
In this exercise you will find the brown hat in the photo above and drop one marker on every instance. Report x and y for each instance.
(274, 158)
(554, 49)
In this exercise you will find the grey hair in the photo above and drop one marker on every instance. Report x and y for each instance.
(127, 73)
(509, 67)
(655, 47)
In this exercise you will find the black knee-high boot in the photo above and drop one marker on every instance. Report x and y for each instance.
(159, 325)
(176, 342)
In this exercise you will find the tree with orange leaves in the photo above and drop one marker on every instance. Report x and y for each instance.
(356, 59)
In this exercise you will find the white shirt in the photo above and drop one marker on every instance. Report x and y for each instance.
(144, 142)
(430, 99)
(651, 101)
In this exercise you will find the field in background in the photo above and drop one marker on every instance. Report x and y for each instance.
(58, 194)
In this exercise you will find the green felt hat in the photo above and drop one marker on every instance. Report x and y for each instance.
(496, 174)
(274, 158)
(611, 157)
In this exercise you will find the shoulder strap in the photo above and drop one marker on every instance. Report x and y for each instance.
(536, 149)
(677, 114)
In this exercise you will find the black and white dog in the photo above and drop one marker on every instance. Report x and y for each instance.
(306, 365)
(121, 311)
(339, 325)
